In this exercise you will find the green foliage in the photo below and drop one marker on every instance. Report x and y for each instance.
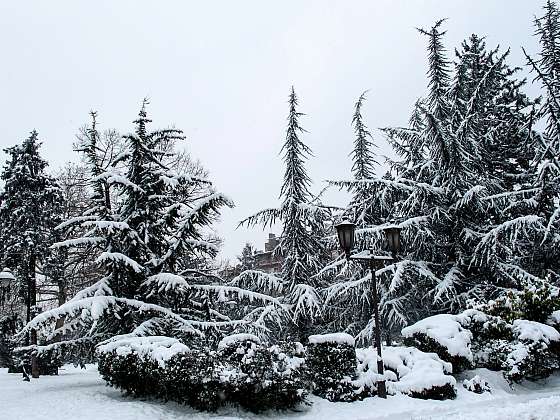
(429, 345)
(443, 392)
(332, 368)
(535, 302)
(247, 374)
(532, 360)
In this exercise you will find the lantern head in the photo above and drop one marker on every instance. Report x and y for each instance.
(393, 239)
(6, 277)
(345, 231)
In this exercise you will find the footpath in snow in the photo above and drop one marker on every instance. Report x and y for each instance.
(82, 394)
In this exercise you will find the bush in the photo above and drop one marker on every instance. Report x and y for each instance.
(522, 349)
(410, 371)
(535, 302)
(260, 378)
(331, 359)
(536, 353)
(241, 371)
(131, 373)
(9, 325)
(444, 335)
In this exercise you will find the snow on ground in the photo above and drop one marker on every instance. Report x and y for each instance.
(82, 394)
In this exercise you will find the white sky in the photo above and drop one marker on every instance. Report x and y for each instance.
(222, 70)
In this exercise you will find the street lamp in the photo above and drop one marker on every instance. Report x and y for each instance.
(346, 237)
(346, 234)
(6, 277)
(393, 239)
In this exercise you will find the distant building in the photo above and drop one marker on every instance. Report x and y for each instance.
(267, 260)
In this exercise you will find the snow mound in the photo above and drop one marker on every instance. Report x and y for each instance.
(157, 348)
(408, 371)
(233, 339)
(447, 331)
(477, 384)
(336, 338)
(535, 331)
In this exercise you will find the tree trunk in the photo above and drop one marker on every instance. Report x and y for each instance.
(31, 311)
(62, 296)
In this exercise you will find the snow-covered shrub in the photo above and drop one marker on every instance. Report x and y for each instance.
(241, 371)
(331, 359)
(192, 378)
(259, 378)
(444, 335)
(9, 325)
(535, 354)
(491, 337)
(536, 302)
(136, 364)
(477, 385)
(408, 371)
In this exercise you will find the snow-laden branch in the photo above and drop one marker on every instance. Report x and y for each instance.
(266, 217)
(92, 308)
(505, 233)
(306, 302)
(259, 280)
(78, 242)
(119, 258)
(99, 288)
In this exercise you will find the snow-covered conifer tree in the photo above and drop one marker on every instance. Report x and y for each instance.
(30, 205)
(461, 161)
(303, 219)
(149, 243)
(545, 167)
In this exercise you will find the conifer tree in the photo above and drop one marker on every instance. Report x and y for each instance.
(30, 205)
(545, 166)
(149, 244)
(364, 202)
(457, 187)
(303, 220)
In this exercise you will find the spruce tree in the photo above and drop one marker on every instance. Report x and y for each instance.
(30, 205)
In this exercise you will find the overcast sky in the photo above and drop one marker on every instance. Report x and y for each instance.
(222, 70)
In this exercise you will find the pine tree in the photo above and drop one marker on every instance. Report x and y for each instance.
(29, 210)
(247, 258)
(364, 203)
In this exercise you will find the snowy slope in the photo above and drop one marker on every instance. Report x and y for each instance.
(78, 394)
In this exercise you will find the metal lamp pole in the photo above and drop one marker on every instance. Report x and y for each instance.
(346, 237)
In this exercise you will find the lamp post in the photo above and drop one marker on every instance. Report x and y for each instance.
(6, 279)
(346, 238)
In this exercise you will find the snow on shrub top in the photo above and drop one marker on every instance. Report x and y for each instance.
(233, 339)
(447, 331)
(535, 331)
(337, 338)
(157, 348)
(554, 318)
(417, 371)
